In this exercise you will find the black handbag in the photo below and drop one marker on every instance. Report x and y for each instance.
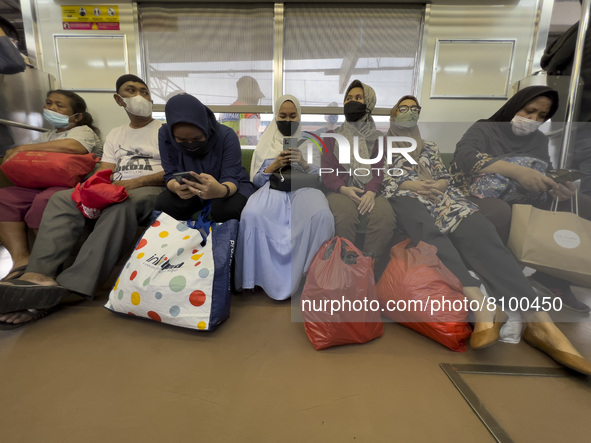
(290, 179)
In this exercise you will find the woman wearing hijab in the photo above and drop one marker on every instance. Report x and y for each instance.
(432, 210)
(280, 232)
(354, 189)
(513, 131)
(193, 141)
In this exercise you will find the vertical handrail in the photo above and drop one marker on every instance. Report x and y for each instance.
(574, 83)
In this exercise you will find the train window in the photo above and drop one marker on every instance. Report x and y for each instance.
(327, 47)
(226, 54)
(205, 51)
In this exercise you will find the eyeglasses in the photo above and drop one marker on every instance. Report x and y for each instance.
(414, 109)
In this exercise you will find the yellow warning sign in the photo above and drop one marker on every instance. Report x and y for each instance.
(91, 17)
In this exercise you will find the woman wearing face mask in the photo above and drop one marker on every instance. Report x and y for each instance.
(22, 207)
(513, 131)
(354, 190)
(193, 141)
(429, 209)
(280, 232)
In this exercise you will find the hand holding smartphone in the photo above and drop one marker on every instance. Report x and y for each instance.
(566, 175)
(290, 142)
(179, 176)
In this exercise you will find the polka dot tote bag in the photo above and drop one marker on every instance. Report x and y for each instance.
(179, 274)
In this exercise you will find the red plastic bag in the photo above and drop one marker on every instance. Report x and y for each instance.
(44, 169)
(339, 302)
(416, 274)
(97, 193)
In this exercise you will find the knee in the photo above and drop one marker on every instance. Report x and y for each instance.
(498, 212)
(251, 213)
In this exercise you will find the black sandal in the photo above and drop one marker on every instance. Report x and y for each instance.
(21, 295)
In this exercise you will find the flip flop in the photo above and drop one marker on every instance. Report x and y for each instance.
(19, 273)
(20, 295)
(34, 315)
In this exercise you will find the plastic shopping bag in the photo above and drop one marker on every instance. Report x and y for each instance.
(339, 301)
(416, 283)
(179, 274)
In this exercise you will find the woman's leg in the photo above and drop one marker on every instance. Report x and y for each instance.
(481, 248)
(380, 229)
(226, 209)
(346, 215)
(498, 212)
(13, 235)
(15, 202)
(417, 222)
(414, 218)
(177, 207)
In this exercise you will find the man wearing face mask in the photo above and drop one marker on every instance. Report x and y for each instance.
(131, 151)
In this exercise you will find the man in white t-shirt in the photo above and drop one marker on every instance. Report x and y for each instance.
(131, 151)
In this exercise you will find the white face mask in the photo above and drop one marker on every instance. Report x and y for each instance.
(524, 126)
(138, 105)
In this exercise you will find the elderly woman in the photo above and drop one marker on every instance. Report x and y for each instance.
(354, 187)
(193, 141)
(22, 207)
(281, 231)
(429, 209)
(490, 144)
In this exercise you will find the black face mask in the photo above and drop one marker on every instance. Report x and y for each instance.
(195, 149)
(287, 128)
(354, 111)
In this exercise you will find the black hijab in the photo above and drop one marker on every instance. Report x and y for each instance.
(494, 136)
(521, 99)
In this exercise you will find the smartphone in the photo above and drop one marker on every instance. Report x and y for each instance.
(566, 175)
(186, 175)
(290, 142)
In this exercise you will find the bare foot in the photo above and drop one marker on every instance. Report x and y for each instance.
(15, 318)
(549, 333)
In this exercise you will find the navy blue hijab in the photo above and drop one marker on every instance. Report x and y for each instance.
(185, 108)
(222, 156)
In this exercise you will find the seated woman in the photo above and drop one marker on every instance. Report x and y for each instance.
(429, 209)
(513, 131)
(20, 206)
(193, 141)
(280, 232)
(354, 189)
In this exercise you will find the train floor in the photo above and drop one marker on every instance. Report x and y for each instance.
(84, 374)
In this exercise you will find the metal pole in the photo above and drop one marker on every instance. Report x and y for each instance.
(574, 82)
(278, 33)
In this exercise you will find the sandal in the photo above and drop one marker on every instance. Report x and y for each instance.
(34, 315)
(19, 273)
(20, 295)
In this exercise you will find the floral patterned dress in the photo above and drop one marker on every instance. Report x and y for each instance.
(449, 211)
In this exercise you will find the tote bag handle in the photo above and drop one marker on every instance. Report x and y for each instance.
(573, 207)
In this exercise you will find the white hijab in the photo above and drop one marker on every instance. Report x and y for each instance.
(271, 142)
